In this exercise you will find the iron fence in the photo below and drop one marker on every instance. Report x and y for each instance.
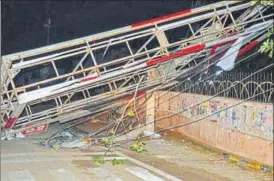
(230, 85)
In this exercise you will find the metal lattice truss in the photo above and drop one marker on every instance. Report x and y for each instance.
(107, 66)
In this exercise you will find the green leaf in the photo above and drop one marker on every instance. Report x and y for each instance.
(138, 147)
(106, 141)
(270, 53)
(134, 146)
(253, 2)
(267, 47)
(118, 162)
(267, 3)
(262, 2)
(98, 159)
(111, 132)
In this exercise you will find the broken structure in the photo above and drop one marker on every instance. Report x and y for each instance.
(110, 69)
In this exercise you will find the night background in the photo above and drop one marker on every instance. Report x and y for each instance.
(24, 22)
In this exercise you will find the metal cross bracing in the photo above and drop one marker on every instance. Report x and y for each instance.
(108, 66)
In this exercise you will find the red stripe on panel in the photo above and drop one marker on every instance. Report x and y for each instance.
(157, 60)
(89, 78)
(11, 121)
(248, 47)
(194, 48)
(161, 18)
(213, 49)
(185, 51)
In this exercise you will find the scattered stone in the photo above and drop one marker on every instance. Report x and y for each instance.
(225, 155)
(152, 134)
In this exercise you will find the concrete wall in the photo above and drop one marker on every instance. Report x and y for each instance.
(245, 130)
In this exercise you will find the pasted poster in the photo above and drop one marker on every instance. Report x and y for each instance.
(255, 118)
(226, 115)
(244, 113)
(235, 117)
(214, 108)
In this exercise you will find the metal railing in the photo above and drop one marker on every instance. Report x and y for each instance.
(253, 85)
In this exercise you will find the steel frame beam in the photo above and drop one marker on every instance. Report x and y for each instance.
(153, 30)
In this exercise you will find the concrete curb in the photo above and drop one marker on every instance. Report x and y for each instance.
(243, 162)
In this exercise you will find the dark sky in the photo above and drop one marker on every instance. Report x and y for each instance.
(23, 21)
